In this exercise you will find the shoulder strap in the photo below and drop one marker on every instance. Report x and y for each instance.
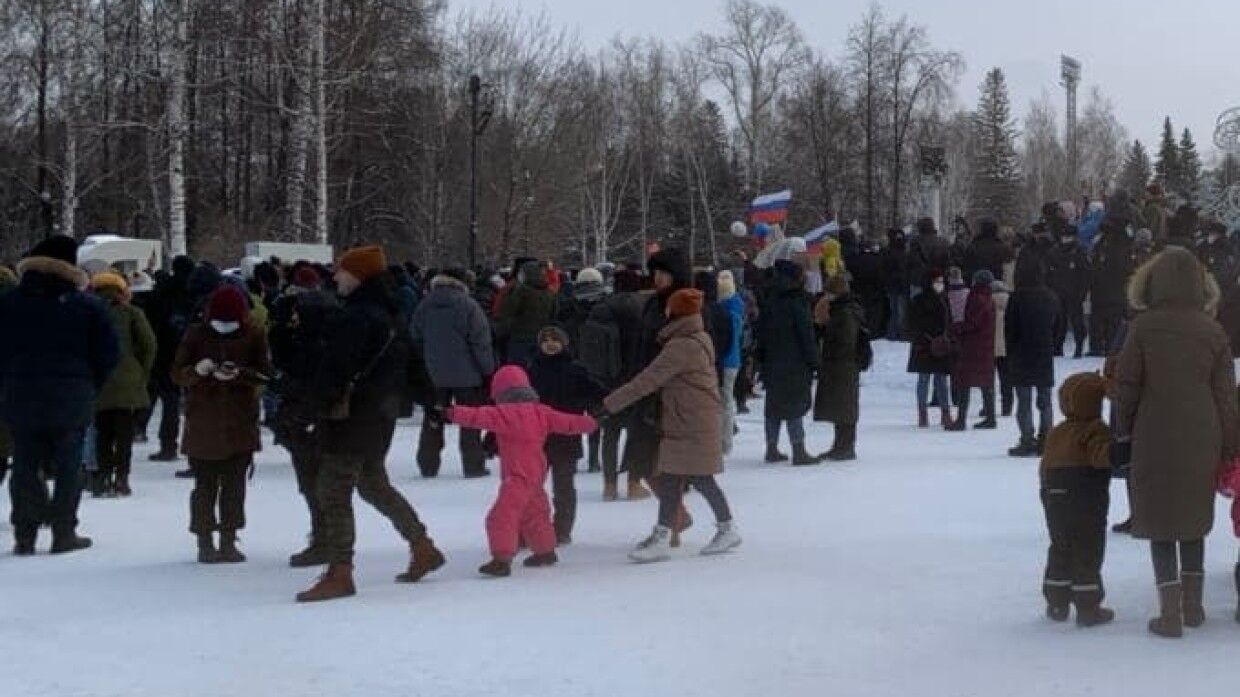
(375, 361)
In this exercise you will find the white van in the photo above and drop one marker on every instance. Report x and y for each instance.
(123, 253)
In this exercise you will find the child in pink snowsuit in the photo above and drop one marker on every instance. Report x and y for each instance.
(521, 425)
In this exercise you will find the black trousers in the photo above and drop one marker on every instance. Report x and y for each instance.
(642, 447)
(36, 452)
(431, 440)
(114, 434)
(670, 488)
(988, 401)
(1007, 393)
(1075, 501)
(1071, 314)
(563, 494)
(1104, 325)
(307, 460)
(170, 412)
(218, 485)
(1192, 554)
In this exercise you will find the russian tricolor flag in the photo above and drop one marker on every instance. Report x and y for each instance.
(772, 208)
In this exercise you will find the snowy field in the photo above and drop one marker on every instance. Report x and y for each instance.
(914, 571)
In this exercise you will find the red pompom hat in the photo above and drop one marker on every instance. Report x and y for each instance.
(227, 304)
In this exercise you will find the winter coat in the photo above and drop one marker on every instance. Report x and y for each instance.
(1176, 390)
(734, 307)
(451, 334)
(1000, 299)
(1082, 439)
(839, 378)
(1220, 258)
(365, 333)
(625, 311)
(1029, 330)
(1068, 272)
(170, 311)
(928, 317)
(1035, 252)
(927, 252)
(895, 268)
(126, 386)
(787, 352)
(527, 308)
(563, 386)
(1112, 265)
(222, 417)
(975, 360)
(573, 312)
(58, 349)
(683, 375)
(521, 425)
(986, 252)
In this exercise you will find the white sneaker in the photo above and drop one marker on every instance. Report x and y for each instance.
(725, 540)
(657, 547)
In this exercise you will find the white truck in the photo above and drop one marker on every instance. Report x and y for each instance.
(124, 253)
(287, 252)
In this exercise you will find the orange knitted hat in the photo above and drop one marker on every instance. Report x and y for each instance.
(364, 262)
(684, 303)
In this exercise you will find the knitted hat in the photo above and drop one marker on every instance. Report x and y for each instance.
(306, 277)
(589, 275)
(227, 304)
(837, 285)
(983, 277)
(684, 303)
(727, 285)
(553, 332)
(109, 280)
(59, 247)
(626, 281)
(364, 263)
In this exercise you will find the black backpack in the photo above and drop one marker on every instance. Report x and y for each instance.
(598, 351)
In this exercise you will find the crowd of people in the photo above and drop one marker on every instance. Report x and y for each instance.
(638, 370)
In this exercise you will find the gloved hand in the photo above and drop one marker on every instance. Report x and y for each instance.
(204, 367)
(225, 373)
(599, 413)
(490, 445)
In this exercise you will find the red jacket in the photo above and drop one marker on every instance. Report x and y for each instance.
(975, 364)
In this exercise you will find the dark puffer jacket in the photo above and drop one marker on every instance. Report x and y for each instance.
(563, 386)
(975, 364)
(527, 308)
(786, 348)
(839, 385)
(1032, 311)
(451, 333)
(928, 317)
(58, 350)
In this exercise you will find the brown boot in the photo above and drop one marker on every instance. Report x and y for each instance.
(684, 521)
(424, 558)
(1194, 610)
(610, 491)
(1170, 623)
(637, 492)
(923, 417)
(336, 583)
(947, 419)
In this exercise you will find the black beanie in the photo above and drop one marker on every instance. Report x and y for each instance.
(59, 247)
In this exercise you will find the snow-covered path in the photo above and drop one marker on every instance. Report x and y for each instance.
(913, 571)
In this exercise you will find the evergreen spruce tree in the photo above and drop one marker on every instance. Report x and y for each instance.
(996, 167)
(1189, 181)
(1137, 171)
(1167, 166)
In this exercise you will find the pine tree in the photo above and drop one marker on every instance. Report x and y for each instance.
(1189, 181)
(1137, 170)
(996, 166)
(1228, 173)
(1167, 166)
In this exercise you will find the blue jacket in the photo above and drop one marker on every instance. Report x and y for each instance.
(735, 307)
(58, 351)
(452, 334)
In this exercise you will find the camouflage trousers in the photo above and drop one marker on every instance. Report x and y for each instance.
(339, 475)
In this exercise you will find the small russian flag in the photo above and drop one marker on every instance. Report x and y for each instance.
(771, 208)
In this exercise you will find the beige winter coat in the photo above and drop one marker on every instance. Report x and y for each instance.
(689, 401)
(1176, 397)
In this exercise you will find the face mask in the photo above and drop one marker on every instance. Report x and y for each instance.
(938, 286)
(225, 327)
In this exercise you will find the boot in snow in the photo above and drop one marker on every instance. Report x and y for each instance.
(1089, 610)
(959, 424)
(1025, 448)
(610, 491)
(424, 558)
(312, 555)
(801, 457)
(496, 568)
(684, 521)
(165, 454)
(1170, 622)
(637, 492)
(207, 553)
(229, 554)
(336, 583)
(537, 560)
(845, 447)
(1194, 589)
(186, 473)
(945, 417)
(122, 485)
(23, 546)
(773, 455)
(655, 548)
(986, 424)
(69, 541)
(725, 540)
(923, 417)
(1124, 528)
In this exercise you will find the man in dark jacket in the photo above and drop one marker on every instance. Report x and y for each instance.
(928, 250)
(895, 273)
(364, 362)
(524, 311)
(451, 334)
(59, 349)
(1111, 266)
(788, 356)
(1029, 330)
(171, 312)
(868, 287)
(619, 314)
(1067, 271)
(987, 251)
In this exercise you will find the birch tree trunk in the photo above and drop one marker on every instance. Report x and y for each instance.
(177, 243)
(320, 120)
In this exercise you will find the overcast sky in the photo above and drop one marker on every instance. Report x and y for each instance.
(1151, 57)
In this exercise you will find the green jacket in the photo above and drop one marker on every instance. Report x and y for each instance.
(126, 387)
(527, 308)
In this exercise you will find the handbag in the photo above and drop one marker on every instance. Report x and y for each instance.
(340, 410)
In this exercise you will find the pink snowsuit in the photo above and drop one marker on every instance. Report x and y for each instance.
(521, 425)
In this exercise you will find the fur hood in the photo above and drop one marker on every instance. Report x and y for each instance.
(443, 280)
(55, 267)
(1174, 279)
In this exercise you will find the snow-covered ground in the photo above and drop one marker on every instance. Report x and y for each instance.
(913, 571)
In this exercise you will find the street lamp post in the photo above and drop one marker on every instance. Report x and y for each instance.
(479, 117)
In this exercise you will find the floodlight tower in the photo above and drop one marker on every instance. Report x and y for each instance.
(1070, 74)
